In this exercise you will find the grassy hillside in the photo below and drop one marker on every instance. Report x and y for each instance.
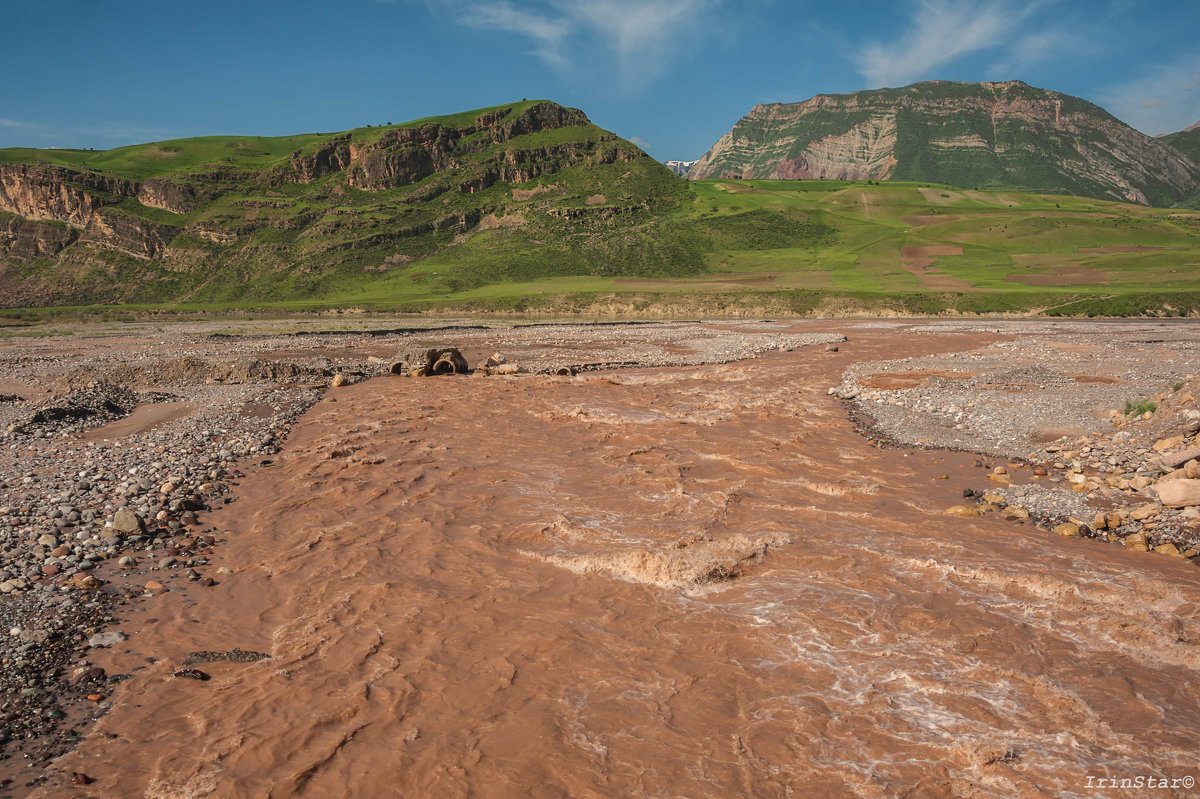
(817, 246)
(1186, 142)
(802, 245)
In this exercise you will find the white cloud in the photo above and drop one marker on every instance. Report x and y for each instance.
(103, 134)
(640, 142)
(546, 33)
(1163, 99)
(1027, 51)
(943, 31)
(642, 36)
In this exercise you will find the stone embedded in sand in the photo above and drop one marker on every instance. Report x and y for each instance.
(962, 510)
(1067, 529)
(126, 522)
(432, 362)
(105, 640)
(1179, 493)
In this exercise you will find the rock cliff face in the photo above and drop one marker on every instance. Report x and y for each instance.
(44, 192)
(204, 216)
(23, 240)
(987, 134)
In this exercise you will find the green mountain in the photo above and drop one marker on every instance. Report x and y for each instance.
(982, 135)
(1186, 141)
(439, 205)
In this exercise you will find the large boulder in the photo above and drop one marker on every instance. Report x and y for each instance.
(1179, 493)
(431, 362)
(126, 522)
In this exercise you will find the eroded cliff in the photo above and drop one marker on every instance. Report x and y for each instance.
(1005, 134)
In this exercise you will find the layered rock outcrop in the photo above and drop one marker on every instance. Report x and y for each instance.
(987, 134)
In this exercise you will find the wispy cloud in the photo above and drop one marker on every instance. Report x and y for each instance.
(1163, 99)
(942, 31)
(101, 134)
(642, 37)
(548, 34)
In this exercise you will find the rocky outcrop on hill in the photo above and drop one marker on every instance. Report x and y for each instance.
(1005, 134)
(24, 239)
(403, 156)
(45, 192)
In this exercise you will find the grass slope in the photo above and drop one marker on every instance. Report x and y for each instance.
(812, 246)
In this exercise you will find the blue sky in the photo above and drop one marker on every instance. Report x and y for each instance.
(673, 75)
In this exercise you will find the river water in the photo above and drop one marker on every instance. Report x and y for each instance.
(683, 582)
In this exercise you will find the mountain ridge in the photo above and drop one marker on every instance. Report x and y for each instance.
(994, 134)
(215, 217)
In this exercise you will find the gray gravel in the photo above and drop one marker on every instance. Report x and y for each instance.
(1010, 398)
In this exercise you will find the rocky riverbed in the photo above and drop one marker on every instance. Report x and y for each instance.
(116, 444)
(1093, 427)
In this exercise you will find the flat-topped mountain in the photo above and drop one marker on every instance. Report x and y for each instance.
(515, 191)
(992, 135)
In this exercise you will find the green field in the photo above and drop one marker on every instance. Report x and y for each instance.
(801, 245)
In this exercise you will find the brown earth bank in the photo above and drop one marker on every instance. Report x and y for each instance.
(692, 580)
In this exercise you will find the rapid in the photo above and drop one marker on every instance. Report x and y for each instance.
(674, 582)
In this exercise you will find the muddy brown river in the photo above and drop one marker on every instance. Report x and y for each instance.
(678, 582)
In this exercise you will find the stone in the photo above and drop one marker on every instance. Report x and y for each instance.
(1164, 444)
(1180, 458)
(126, 522)
(1067, 529)
(105, 640)
(1191, 469)
(961, 510)
(338, 381)
(1143, 512)
(1168, 549)
(1136, 542)
(85, 581)
(1178, 493)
